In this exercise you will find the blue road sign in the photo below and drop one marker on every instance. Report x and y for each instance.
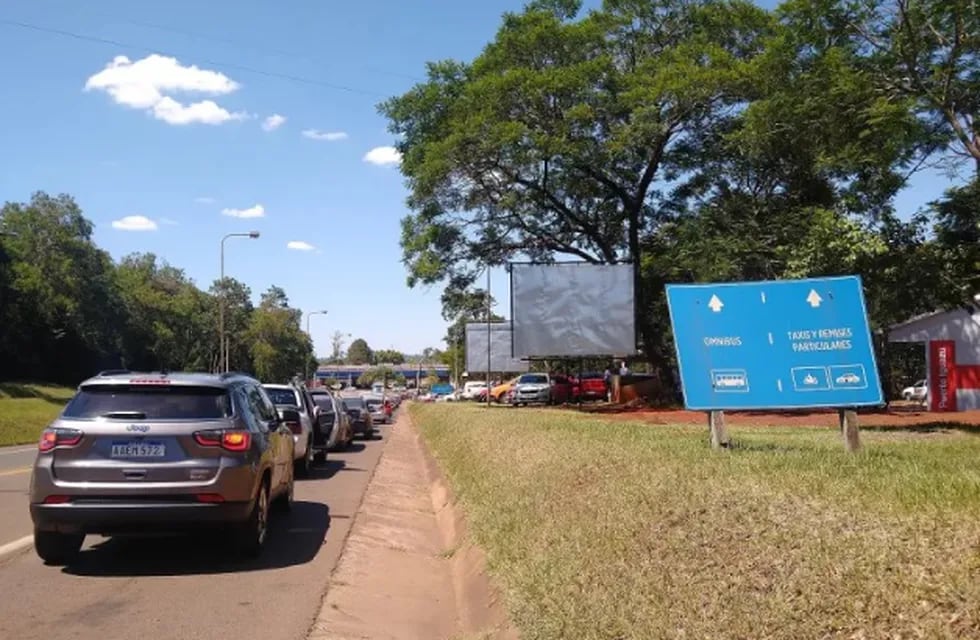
(786, 344)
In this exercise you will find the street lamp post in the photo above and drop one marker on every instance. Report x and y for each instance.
(306, 368)
(224, 348)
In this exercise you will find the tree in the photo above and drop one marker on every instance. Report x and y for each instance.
(359, 352)
(169, 322)
(389, 356)
(279, 347)
(237, 300)
(337, 347)
(929, 52)
(550, 141)
(60, 302)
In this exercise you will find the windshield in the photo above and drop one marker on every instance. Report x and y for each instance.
(281, 396)
(533, 378)
(322, 400)
(353, 403)
(373, 404)
(162, 402)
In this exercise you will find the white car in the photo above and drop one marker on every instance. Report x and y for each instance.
(473, 389)
(917, 391)
(848, 378)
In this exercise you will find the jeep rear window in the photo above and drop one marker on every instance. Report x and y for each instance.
(149, 402)
(282, 396)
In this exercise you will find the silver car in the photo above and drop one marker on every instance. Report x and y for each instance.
(288, 396)
(376, 407)
(135, 452)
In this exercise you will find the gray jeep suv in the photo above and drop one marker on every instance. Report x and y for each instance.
(160, 452)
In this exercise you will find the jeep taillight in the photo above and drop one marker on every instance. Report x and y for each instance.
(229, 440)
(52, 438)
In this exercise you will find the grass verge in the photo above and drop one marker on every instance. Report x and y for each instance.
(613, 530)
(26, 409)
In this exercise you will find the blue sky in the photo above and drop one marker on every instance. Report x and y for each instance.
(140, 153)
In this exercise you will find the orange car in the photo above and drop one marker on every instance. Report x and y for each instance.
(498, 392)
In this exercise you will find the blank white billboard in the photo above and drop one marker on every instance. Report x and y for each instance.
(501, 360)
(573, 309)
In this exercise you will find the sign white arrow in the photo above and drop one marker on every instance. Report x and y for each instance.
(814, 298)
(715, 303)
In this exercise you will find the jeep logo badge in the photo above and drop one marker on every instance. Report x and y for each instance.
(142, 428)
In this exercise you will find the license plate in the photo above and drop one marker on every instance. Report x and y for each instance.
(138, 450)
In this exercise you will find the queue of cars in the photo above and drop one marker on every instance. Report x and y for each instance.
(540, 388)
(181, 452)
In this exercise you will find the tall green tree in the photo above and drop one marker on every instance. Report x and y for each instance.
(279, 347)
(168, 321)
(359, 352)
(60, 305)
(551, 141)
(238, 308)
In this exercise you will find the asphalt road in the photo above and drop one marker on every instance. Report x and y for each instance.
(181, 587)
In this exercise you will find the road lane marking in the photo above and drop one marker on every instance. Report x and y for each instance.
(14, 472)
(15, 546)
(9, 452)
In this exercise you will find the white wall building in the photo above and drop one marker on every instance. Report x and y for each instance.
(952, 342)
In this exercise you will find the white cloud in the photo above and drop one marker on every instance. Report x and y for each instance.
(134, 223)
(204, 200)
(144, 84)
(299, 245)
(273, 122)
(257, 211)
(328, 136)
(383, 156)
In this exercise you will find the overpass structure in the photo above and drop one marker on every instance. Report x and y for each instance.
(345, 372)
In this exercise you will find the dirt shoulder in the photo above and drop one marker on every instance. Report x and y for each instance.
(404, 573)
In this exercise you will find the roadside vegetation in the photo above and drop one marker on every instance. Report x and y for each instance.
(600, 529)
(26, 409)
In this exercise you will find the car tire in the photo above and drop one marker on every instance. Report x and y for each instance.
(906, 396)
(320, 457)
(57, 548)
(285, 501)
(252, 533)
(302, 466)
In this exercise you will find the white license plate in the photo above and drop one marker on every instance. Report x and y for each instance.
(138, 450)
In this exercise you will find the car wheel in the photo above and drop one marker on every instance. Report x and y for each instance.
(285, 501)
(255, 530)
(57, 548)
(320, 457)
(302, 466)
(907, 396)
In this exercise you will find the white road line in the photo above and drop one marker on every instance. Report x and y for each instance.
(9, 452)
(16, 546)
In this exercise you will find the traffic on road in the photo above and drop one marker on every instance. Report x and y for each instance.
(151, 494)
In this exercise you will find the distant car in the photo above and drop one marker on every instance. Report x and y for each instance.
(473, 389)
(177, 452)
(532, 388)
(592, 386)
(307, 448)
(376, 407)
(334, 422)
(848, 378)
(360, 417)
(917, 391)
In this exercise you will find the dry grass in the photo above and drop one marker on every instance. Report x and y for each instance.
(26, 409)
(614, 530)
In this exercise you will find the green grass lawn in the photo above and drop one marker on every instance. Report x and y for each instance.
(26, 409)
(612, 529)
